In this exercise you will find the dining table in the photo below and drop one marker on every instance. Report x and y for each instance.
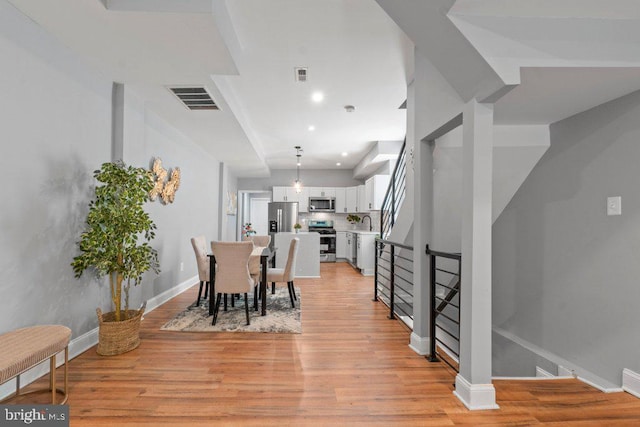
(265, 254)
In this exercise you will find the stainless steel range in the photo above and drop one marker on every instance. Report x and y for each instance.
(327, 239)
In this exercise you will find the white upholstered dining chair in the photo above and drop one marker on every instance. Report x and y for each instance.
(199, 244)
(288, 273)
(254, 262)
(232, 272)
(262, 241)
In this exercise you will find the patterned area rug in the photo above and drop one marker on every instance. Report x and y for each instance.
(280, 318)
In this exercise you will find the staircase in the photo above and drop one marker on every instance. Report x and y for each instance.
(395, 194)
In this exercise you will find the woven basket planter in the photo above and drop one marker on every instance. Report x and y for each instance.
(119, 337)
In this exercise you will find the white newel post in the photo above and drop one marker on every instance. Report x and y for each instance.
(473, 383)
(422, 232)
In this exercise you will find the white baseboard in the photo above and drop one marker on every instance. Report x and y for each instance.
(475, 397)
(419, 344)
(631, 382)
(565, 372)
(165, 296)
(599, 386)
(541, 373)
(565, 367)
(87, 340)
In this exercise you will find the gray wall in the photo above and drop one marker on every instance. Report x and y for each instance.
(56, 130)
(309, 178)
(565, 275)
(195, 209)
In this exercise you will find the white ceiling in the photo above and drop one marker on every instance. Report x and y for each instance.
(560, 57)
(244, 52)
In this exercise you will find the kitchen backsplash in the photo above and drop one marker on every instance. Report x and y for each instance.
(340, 222)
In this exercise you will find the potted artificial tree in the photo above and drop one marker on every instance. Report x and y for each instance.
(115, 243)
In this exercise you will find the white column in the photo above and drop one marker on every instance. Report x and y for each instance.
(222, 203)
(422, 233)
(117, 122)
(473, 383)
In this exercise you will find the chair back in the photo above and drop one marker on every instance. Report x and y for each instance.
(290, 267)
(232, 272)
(200, 248)
(262, 241)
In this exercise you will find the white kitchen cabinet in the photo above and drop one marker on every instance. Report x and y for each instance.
(341, 200)
(289, 194)
(341, 244)
(351, 243)
(366, 252)
(352, 199)
(322, 192)
(328, 192)
(279, 194)
(375, 190)
(362, 199)
(314, 191)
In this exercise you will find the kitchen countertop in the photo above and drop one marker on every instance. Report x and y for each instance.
(359, 231)
(299, 232)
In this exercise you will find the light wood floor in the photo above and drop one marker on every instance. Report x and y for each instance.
(350, 366)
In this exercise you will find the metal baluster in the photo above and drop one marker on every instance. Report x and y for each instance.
(375, 273)
(392, 284)
(432, 323)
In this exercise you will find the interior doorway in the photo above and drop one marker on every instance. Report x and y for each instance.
(253, 207)
(258, 214)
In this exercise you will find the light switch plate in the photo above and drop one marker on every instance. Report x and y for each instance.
(614, 205)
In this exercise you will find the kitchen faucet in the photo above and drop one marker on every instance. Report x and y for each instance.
(370, 224)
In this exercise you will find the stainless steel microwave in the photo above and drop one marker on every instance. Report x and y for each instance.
(322, 204)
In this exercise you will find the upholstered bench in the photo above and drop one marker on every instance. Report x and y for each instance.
(22, 349)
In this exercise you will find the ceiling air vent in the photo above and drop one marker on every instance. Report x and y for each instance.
(301, 74)
(194, 98)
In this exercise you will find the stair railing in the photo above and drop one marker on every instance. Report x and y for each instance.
(393, 274)
(445, 307)
(395, 194)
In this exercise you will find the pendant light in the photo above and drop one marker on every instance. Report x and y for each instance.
(298, 184)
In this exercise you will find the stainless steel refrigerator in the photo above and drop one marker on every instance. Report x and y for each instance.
(282, 217)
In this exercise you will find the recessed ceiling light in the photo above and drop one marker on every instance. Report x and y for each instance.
(312, 128)
(338, 164)
(345, 154)
(317, 97)
(298, 164)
